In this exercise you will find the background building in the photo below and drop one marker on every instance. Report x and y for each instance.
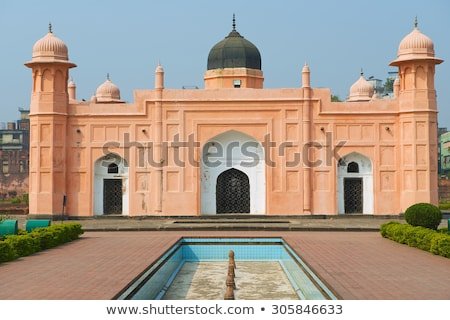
(14, 156)
(444, 143)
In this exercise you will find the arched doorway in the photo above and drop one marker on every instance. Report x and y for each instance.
(355, 184)
(110, 186)
(233, 162)
(232, 192)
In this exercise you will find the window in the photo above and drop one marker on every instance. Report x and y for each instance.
(237, 83)
(353, 167)
(21, 166)
(113, 168)
(447, 161)
(5, 166)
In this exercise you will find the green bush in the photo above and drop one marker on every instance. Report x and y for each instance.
(47, 238)
(423, 215)
(21, 245)
(423, 238)
(16, 200)
(7, 253)
(22, 232)
(440, 244)
(25, 198)
(57, 234)
(444, 206)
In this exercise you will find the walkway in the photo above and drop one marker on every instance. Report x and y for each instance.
(235, 222)
(357, 265)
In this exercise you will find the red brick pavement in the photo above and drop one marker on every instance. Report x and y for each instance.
(367, 266)
(357, 265)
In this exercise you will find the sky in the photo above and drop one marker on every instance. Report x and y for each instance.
(127, 39)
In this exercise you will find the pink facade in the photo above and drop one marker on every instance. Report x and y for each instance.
(309, 155)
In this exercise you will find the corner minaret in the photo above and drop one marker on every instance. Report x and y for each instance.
(159, 77)
(234, 62)
(72, 90)
(48, 121)
(306, 76)
(416, 98)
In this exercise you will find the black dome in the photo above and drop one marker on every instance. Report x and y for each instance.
(234, 52)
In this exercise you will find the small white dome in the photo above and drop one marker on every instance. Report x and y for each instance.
(305, 68)
(108, 92)
(71, 84)
(361, 90)
(159, 69)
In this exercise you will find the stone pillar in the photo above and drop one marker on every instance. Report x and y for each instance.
(307, 128)
(158, 130)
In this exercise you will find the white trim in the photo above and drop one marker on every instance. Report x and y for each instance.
(210, 170)
(365, 172)
(101, 173)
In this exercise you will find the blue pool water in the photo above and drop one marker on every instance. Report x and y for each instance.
(155, 281)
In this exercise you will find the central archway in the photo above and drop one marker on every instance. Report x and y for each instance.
(233, 175)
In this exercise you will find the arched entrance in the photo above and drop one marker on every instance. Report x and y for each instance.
(110, 185)
(355, 184)
(232, 192)
(233, 175)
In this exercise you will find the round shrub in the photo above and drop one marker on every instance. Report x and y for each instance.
(423, 215)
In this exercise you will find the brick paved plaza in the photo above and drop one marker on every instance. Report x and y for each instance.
(356, 265)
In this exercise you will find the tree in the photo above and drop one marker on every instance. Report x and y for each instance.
(335, 98)
(389, 85)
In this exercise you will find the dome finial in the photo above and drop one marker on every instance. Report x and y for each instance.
(234, 22)
(416, 24)
(362, 72)
(107, 77)
(50, 27)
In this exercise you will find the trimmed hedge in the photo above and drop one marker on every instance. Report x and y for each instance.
(56, 234)
(423, 215)
(21, 245)
(7, 252)
(419, 237)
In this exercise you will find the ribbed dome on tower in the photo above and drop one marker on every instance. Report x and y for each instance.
(361, 90)
(414, 46)
(108, 92)
(234, 52)
(50, 48)
(416, 42)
